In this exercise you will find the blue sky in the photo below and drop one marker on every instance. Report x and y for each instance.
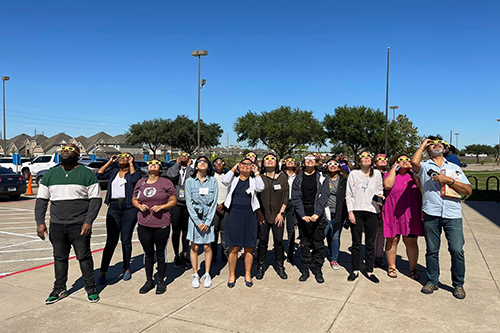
(86, 66)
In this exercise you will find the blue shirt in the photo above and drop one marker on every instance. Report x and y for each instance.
(454, 159)
(433, 203)
(201, 198)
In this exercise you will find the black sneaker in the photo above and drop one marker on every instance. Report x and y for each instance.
(260, 272)
(429, 289)
(56, 295)
(92, 295)
(319, 277)
(147, 287)
(161, 287)
(177, 261)
(459, 292)
(304, 276)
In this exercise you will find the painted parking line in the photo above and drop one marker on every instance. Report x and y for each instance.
(16, 234)
(17, 244)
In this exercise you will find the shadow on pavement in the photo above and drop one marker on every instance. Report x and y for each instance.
(487, 209)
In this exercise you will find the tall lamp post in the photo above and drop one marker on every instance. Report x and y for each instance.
(201, 83)
(387, 100)
(498, 144)
(456, 138)
(394, 108)
(4, 78)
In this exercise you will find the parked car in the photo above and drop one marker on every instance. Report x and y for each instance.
(11, 184)
(144, 168)
(92, 165)
(6, 162)
(43, 162)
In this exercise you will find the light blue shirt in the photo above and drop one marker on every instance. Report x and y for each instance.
(199, 200)
(433, 203)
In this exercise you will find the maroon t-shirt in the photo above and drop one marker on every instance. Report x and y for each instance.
(151, 195)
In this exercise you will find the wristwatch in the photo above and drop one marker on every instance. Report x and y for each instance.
(282, 214)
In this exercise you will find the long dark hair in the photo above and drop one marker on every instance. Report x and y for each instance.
(303, 164)
(340, 172)
(295, 168)
(358, 166)
(210, 168)
(263, 168)
(394, 160)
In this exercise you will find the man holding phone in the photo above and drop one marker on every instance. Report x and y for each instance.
(441, 213)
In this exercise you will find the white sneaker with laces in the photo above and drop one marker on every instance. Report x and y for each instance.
(196, 281)
(208, 281)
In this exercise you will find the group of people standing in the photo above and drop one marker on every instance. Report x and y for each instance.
(200, 201)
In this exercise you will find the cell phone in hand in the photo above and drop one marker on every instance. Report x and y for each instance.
(432, 173)
(378, 199)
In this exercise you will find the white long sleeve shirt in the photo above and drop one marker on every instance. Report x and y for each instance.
(361, 189)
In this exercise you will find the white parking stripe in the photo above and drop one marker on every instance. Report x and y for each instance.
(12, 245)
(15, 234)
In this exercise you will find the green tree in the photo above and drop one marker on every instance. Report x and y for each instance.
(183, 134)
(152, 133)
(281, 130)
(402, 136)
(478, 149)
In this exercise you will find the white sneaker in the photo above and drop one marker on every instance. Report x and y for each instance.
(208, 281)
(335, 265)
(196, 281)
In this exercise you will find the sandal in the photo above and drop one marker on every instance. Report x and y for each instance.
(392, 272)
(415, 275)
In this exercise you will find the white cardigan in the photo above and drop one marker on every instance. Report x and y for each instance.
(256, 185)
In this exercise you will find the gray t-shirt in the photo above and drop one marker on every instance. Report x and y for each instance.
(332, 199)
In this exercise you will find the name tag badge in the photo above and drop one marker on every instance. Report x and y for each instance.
(249, 191)
(203, 190)
(122, 181)
(181, 194)
(277, 187)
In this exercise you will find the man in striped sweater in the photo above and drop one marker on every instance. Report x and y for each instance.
(75, 200)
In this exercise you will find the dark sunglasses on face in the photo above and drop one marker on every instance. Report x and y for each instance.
(219, 162)
(381, 159)
(289, 160)
(153, 162)
(246, 164)
(270, 158)
(365, 155)
(251, 155)
(68, 149)
(309, 158)
(333, 163)
(123, 155)
(185, 154)
(438, 142)
(202, 161)
(403, 159)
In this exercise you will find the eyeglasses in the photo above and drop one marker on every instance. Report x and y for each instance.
(251, 155)
(153, 162)
(270, 158)
(438, 142)
(185, 154)
(381, 159)
(404, 159)
(309, 158)
(365, 155)
(219, 162)
(123, 155)
(333, 163)
(202, 161)
(289, 160)
(69, 149)
(246, 164)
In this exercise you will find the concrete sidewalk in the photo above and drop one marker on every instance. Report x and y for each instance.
(272, 304)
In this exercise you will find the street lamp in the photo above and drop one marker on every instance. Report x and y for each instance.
(456, 140)
(4, 78)
(498, 144)
(394, 108)
(387, 100)
(199, 54)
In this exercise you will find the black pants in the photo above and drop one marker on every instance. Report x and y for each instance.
(62, 237)
(150, 239)
(367, 221)
(312, 240)
(179, 218)
(219, 223)
(120, 222)
(279, 247)
(291, 222)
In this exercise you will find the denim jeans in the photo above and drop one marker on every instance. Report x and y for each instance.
(120, 222)
(335, 241)
(62, 237)
(454, 235)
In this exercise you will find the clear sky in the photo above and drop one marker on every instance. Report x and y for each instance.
(89, 66)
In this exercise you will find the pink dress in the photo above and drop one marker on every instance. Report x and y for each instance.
(402, 212)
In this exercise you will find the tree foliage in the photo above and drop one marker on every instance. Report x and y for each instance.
(478, 149)
(183, 134)
(281, 130)
(151, 133)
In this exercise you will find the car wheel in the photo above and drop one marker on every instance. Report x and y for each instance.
(14, 197)
(38, 180)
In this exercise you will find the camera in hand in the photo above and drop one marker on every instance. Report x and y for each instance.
(378, 199)
(432, 173)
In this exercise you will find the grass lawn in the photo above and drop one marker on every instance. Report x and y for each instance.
(481, 193)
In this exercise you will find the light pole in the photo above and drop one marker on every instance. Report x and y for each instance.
(199, 54)
(456, 139)
(394, 108)
(4, 78)
(498, 144)
(387, 100)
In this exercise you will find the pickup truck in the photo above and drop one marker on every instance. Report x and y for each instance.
(6, 162)
(42, 162)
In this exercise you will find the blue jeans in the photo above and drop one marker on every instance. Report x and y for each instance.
(454, 235)
(335, 245)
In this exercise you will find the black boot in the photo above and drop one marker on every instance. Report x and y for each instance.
(318, 274)
(291, 248)
(279, 252)
(260, 271)
(261, 260)
(305, 275)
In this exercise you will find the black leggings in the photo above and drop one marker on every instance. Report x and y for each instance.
(151, 238)
(179, 217)
(367, 221)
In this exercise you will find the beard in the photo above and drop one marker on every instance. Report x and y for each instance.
(436, 152)
(70, 160)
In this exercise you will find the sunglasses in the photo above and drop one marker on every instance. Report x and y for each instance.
(69, 149)
(404, 159)
(332, 163)
(438, 142)
(365, 155)
(153, 162)
(270, 158)
(202, 161)
(289, 160)
(185, 154)
(219, 162)
(246, 164)
(123, 155)
(251, 155)
(309, 158)
(381, 159)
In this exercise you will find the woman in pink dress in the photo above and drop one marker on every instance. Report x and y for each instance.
(402, 214)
